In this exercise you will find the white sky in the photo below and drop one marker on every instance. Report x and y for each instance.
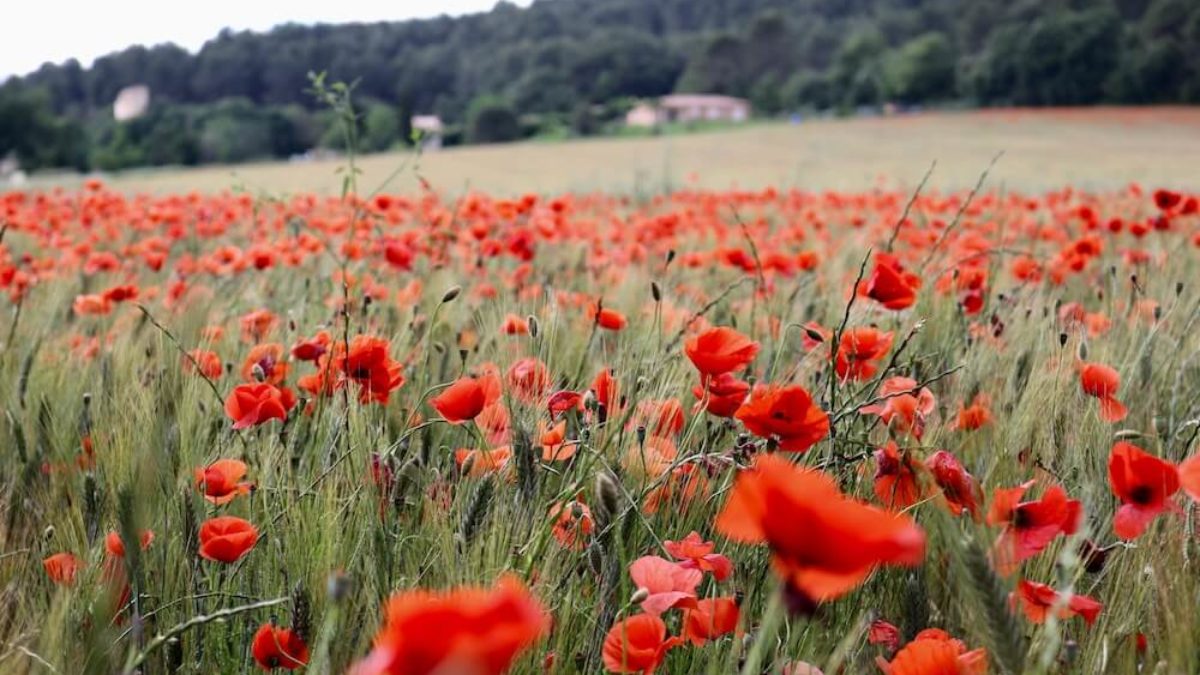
(36, 31)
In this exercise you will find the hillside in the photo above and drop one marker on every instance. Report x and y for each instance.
(575, 64)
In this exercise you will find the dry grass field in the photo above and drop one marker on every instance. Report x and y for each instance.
(1090, 148)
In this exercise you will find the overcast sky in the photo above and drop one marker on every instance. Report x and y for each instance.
(36, 31)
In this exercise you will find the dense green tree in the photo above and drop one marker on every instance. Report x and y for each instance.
(923, 69)
(491, 120)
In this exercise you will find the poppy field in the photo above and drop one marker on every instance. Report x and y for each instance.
(757, 431)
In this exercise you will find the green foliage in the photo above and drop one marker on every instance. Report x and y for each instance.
(491, 120)
(381, 127)
(923, 69)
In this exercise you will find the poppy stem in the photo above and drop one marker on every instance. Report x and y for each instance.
(195, 364)
(767, 631)
(161, 639)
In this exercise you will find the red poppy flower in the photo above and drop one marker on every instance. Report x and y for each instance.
(903, 411)
(514, 325)
(659, 417)
(859, 349)
(1189, 476)
(1037, 600)
(220, 481)
(529, 379)
(604, 387)
(209, 362)
(573, 524)
(249, 405)
(562, 401)
(311, 349)
(464, 630)
(682, 486)
(890, 284)
(608, 319)
(553, 442)
(1166, 200)
(122, 293)
(116, 547)
(275, 647)
(367, 362)
(1143, 483)
(637, 645)
(265, 363)
(257, 325)
(668, 584)
(462, 401)
(933, 652)
(720, 350)
(226, 538)
(822, 542)
(725, 394)
(975, 416)
(62, 568)
(92, 305)
(710, 619)
(1029, 527)
(785, 413)
(1102, 382)
(695, 553)
(883, 633)
(479, 463)
(960, 490)
(896, 482)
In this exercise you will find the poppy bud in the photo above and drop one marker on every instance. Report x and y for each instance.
(87, 398)
(655, 291)
(641, 435)
(48, 533)
(451, 294)
(337, 586)
(596, 557)
(533, 325)
(670, 256)
(639, 596)
(1070, 651)
(1062, 339)
(814, 334)
(258, 373)
(1178, 288)
(607, 495)
(1157, 312)
(1082, 351)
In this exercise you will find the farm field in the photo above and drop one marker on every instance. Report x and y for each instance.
(1090, 148)
(561, 423)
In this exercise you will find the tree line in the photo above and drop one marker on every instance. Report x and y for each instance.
(574, 66)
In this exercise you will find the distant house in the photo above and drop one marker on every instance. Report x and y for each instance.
(689, 108)
(131, 102)
(431, 129)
